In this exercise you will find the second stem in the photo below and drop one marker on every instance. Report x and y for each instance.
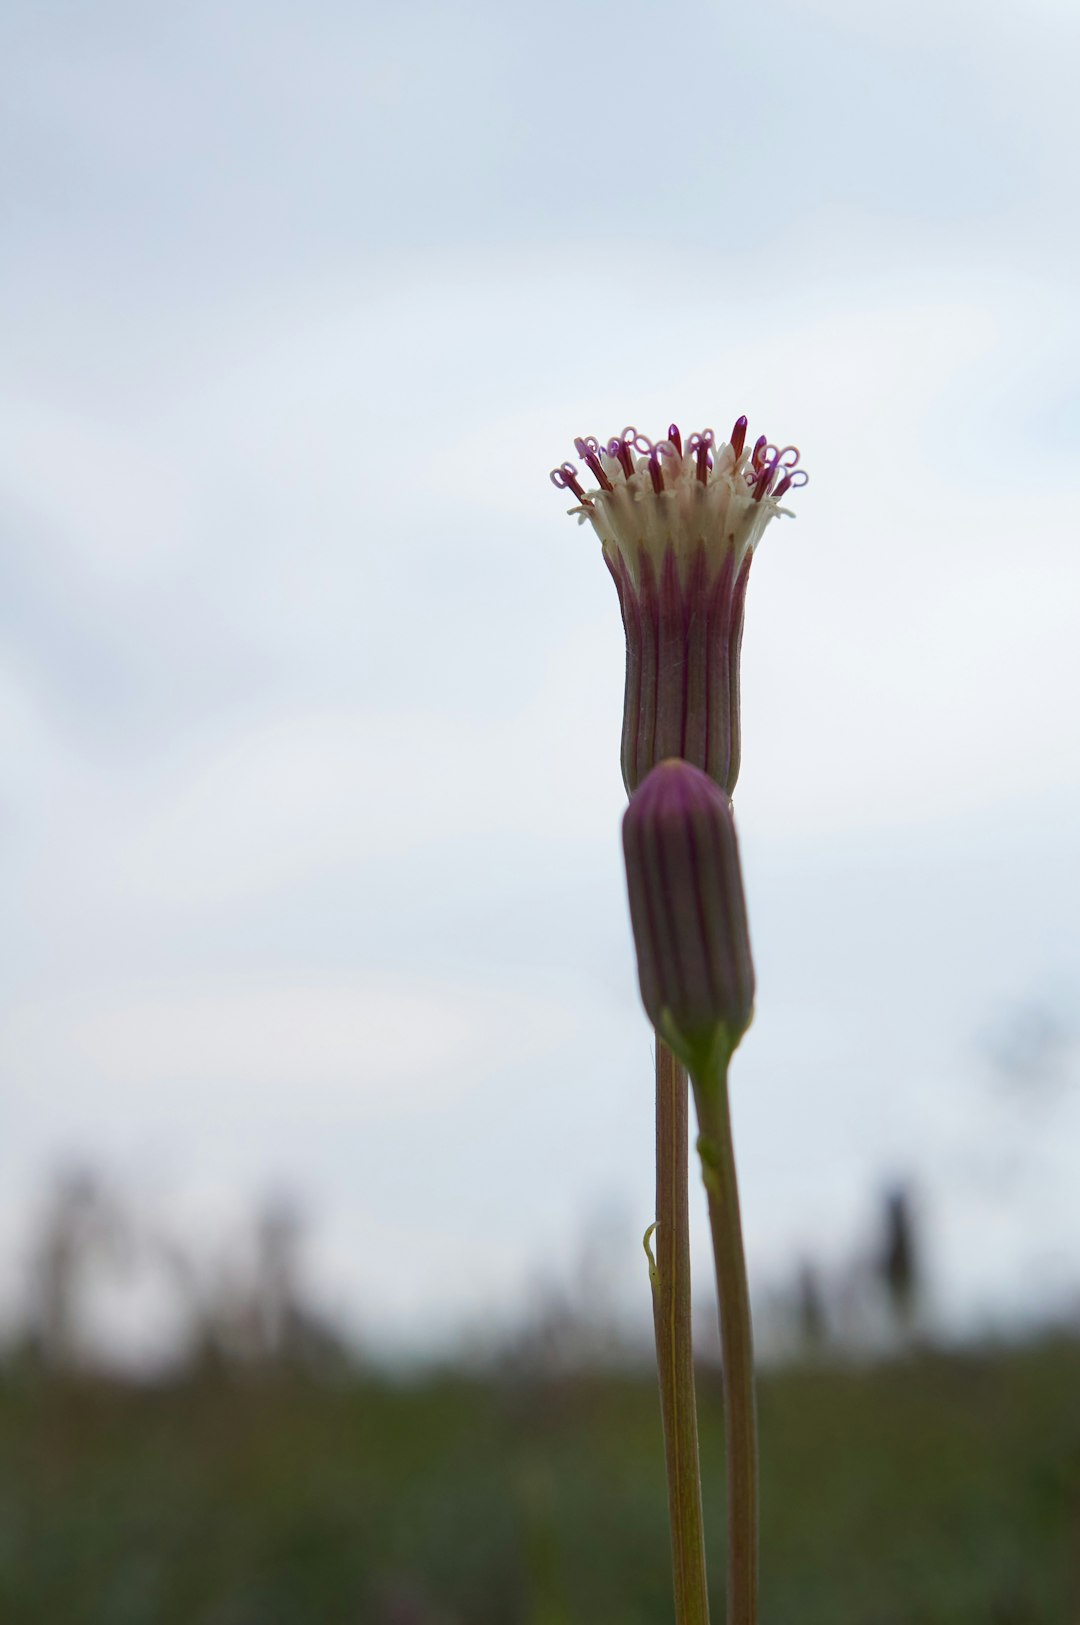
(674, 1350)
(717, 1153)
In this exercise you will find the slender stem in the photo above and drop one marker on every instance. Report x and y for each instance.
(740, 1412)
(670, 1274)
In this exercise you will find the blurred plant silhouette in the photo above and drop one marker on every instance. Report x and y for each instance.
(243, 1309)
(899, 1264)
(82, 1227)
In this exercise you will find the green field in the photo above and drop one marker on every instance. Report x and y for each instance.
(941, 1490)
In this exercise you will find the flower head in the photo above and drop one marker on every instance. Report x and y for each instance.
(678, 523)
(688, 914)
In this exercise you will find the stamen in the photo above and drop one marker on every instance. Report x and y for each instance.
(768, 470)
(738, 436)
(565, 479)
(620, 450)
(701, 444)
(764, 480)
(587, 449)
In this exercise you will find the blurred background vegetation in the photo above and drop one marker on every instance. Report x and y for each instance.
(265, 1471)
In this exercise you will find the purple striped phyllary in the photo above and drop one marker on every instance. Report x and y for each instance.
(679, 522)
(688, 915)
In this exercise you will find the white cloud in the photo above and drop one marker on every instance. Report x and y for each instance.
(301, 1047)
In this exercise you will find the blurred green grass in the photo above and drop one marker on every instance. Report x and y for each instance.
(937, 1490)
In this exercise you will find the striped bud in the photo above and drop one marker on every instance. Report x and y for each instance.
(688, 914)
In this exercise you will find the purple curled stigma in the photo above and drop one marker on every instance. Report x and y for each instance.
(767, 470)
(786, 459)
(700, 444)
(621, 452)
(764, 479)
(588, 450)
(564, 478)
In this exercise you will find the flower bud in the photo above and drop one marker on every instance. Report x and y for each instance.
(688, 914)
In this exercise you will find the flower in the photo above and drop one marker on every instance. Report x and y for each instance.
(679, 524)
(688, 914)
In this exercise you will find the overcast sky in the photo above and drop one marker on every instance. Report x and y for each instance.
(310, 691)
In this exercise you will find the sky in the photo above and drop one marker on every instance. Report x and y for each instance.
(310, 692)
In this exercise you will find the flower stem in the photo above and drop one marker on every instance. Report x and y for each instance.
(717, 1154)
(670, 1275)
